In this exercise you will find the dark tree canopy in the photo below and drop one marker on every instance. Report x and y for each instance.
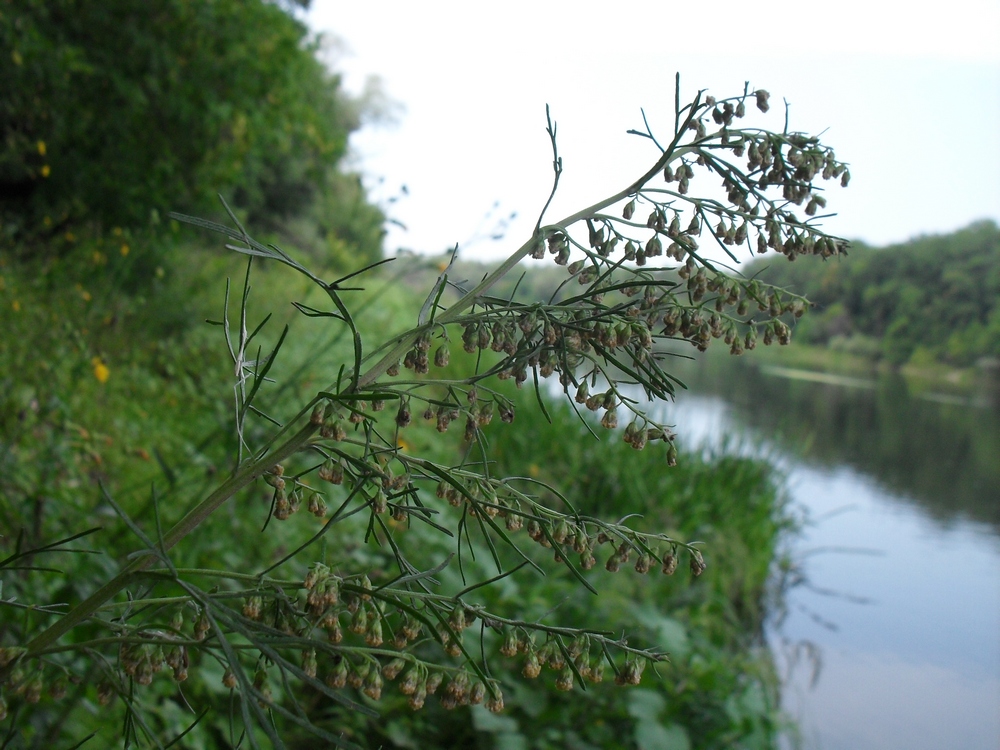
(115, 108)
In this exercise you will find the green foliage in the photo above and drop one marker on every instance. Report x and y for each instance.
(709, 625)
(161, 418)
(937, 295)
(113, 110)
(388, 552)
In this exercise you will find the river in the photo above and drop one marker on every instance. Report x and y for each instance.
(889, 637)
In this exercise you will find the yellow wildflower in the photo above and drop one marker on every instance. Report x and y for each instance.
(124, 250)
(46, 170)
(86, 295)
(101, 371)
(41, 148)
(16, 304)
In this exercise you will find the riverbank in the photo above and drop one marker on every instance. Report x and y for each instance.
(920, 377)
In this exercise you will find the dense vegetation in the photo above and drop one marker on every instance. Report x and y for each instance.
(936, 297)
(120, 437)
(116, 112)
(159, 415)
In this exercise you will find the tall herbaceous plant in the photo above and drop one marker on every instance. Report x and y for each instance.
(318, 621)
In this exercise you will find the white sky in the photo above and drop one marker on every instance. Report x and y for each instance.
(908, 93)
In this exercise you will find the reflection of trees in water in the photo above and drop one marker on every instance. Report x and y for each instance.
(942, 456)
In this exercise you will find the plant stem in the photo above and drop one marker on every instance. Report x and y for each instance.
(181, 529)
(299, 440)
(469, 299)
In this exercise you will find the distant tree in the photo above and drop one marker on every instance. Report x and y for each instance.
(938, 295)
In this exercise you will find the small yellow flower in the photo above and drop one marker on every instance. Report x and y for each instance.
(70, 237)
(41, 148)
(86, 295)
(46, 170)
(101, 371)
(16, 304)
(124, 250)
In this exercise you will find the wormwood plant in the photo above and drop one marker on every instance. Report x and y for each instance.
(636, 277)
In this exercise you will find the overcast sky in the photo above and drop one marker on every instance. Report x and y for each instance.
(908, 94)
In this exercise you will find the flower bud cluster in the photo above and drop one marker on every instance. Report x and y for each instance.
(568, 660)
(18, 679)
(323, 589)
(647, 558)
(284, 504)
(598, 331)
(789, 161)
(631, 672)
(142, 661)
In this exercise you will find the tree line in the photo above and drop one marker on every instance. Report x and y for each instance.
(933, 298)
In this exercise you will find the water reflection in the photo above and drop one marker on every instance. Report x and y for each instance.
(937, 452)
(916, 667)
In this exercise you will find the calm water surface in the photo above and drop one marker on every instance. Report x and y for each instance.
(891, 638)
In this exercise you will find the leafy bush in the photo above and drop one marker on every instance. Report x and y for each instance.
(116, 109)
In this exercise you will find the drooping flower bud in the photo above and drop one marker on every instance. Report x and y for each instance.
(669, 564)
(697, 563)
(317, 505)
(671, 455)
(260, 684)
(532, 667)
(309, 662)
(403, 415)
(442, 356)
(252, 607)
(565, 680)
(337, 677)
(644, 563)
(477, 694)
(372, 686)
